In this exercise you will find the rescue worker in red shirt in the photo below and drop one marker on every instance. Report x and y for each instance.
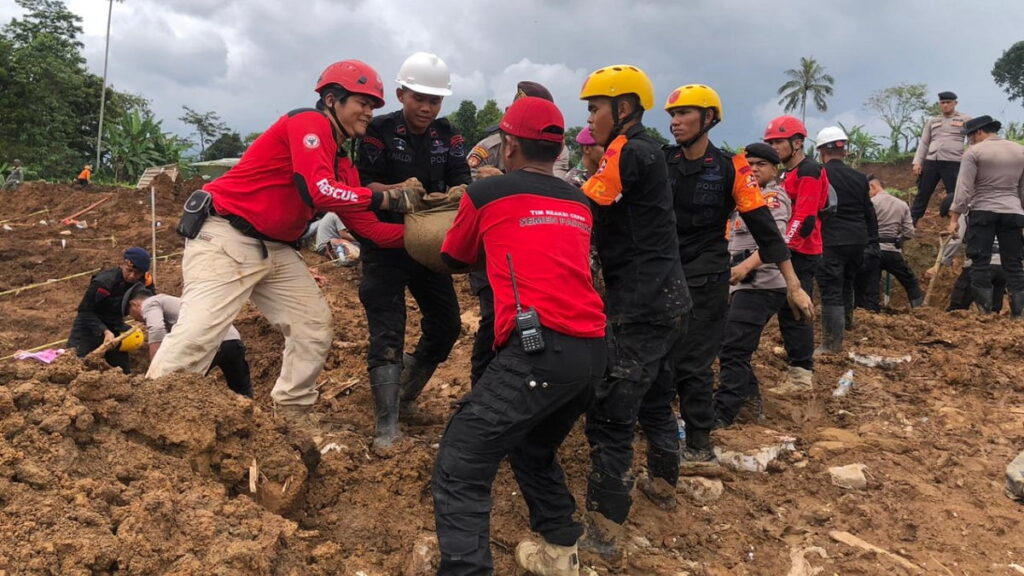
(410, 143)
(707, 186)
(646, 303)
(246, 248)
(550, 351)
(807, 185)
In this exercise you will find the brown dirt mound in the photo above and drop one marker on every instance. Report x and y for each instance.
(102, 473)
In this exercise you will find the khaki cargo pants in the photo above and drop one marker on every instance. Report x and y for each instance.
(222, 269)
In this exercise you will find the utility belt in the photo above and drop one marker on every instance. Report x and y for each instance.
(199, 207)
(897, 241)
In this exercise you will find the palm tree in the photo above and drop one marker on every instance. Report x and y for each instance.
(809, 79)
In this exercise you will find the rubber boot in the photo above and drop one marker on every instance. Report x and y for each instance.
(545, 559)
(848, 315)
(832, 320)
(917, 302)
(415, 375)
(659, 484)
(385, 386)
(1016, 304)
(983, 298)
(697, 457)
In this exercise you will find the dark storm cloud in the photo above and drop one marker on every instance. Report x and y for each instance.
(251, 61)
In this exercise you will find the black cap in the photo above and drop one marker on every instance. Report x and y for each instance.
(985, 121)
(763, 151)
(947, 95)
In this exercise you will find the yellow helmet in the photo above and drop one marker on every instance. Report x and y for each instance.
(133, 341)
(612, 81)
(697, 95)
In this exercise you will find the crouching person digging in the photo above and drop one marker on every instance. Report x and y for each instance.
(550, 350)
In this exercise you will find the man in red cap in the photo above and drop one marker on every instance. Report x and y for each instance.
(550, 350)
(485, 160)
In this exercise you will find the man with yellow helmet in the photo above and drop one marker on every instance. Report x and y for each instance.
(646, 302)
(708, 185)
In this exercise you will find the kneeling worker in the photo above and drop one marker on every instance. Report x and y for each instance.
(550, 350)
(99, 318)
(159, 312)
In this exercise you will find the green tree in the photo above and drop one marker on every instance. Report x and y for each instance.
(899, 106)
(250, 138)
(42, 96)
(208, 126)
(1008, 71)
(809, 79)
(464, 120)
(488, 117)
(131, 143)
(656, 134)
(575, 152)
(862, 146)
(228, 145)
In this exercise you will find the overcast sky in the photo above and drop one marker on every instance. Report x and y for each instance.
(252, 61)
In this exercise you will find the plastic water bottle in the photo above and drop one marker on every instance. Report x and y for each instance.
(682, 429)
(844, 385)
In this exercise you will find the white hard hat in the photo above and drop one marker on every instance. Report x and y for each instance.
(425, 73)
(830, 135)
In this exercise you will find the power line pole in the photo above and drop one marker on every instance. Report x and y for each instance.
(103, 91)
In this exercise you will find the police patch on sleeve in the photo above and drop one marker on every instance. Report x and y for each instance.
(311, 141)
(477, 156)
(372, 147)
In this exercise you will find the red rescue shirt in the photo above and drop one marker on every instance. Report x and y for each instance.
(545, 224)
(290, 172)
(807, 186)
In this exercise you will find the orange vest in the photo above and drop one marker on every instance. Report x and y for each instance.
(605, 186)
(85, 174)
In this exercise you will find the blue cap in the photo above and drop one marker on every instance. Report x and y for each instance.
(138, 257)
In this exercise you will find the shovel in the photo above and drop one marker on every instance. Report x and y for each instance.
(938, 270)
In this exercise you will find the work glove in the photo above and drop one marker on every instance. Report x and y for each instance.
(449, 198)
(407, 197)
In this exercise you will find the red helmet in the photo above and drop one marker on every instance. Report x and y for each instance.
(784, 128)
(355, 76)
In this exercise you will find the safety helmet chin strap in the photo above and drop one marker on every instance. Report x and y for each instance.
(704, 127)
(334, 117)
(617, 123)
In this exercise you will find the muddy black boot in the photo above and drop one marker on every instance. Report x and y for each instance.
(983, 298)
(415, 375)
(917, 302)
(385, 386)
(1017, 304)
(697, 457)
(832, 320)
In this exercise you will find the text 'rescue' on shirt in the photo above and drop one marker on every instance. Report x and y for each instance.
(287, 175)
(807, 186)
(545, 224)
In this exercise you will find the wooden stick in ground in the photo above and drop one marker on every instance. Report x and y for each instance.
(71, 218)
(851, 540)
(24, 216)
(110, 345)
(938, 270)
(36, 349)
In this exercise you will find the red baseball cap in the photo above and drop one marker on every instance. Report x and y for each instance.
(534, 118)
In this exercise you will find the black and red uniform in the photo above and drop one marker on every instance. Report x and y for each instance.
(298, 152)
(846, 234)
(647, 302)
(706, 191)
(390, 153)
(100, 310)
(525, 404)
(807, 187)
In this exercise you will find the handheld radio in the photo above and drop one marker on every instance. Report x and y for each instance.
(527, 321)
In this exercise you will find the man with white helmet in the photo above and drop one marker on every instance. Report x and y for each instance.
(845, 236)
(409, 143)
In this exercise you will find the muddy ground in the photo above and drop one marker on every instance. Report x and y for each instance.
(102, 473)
